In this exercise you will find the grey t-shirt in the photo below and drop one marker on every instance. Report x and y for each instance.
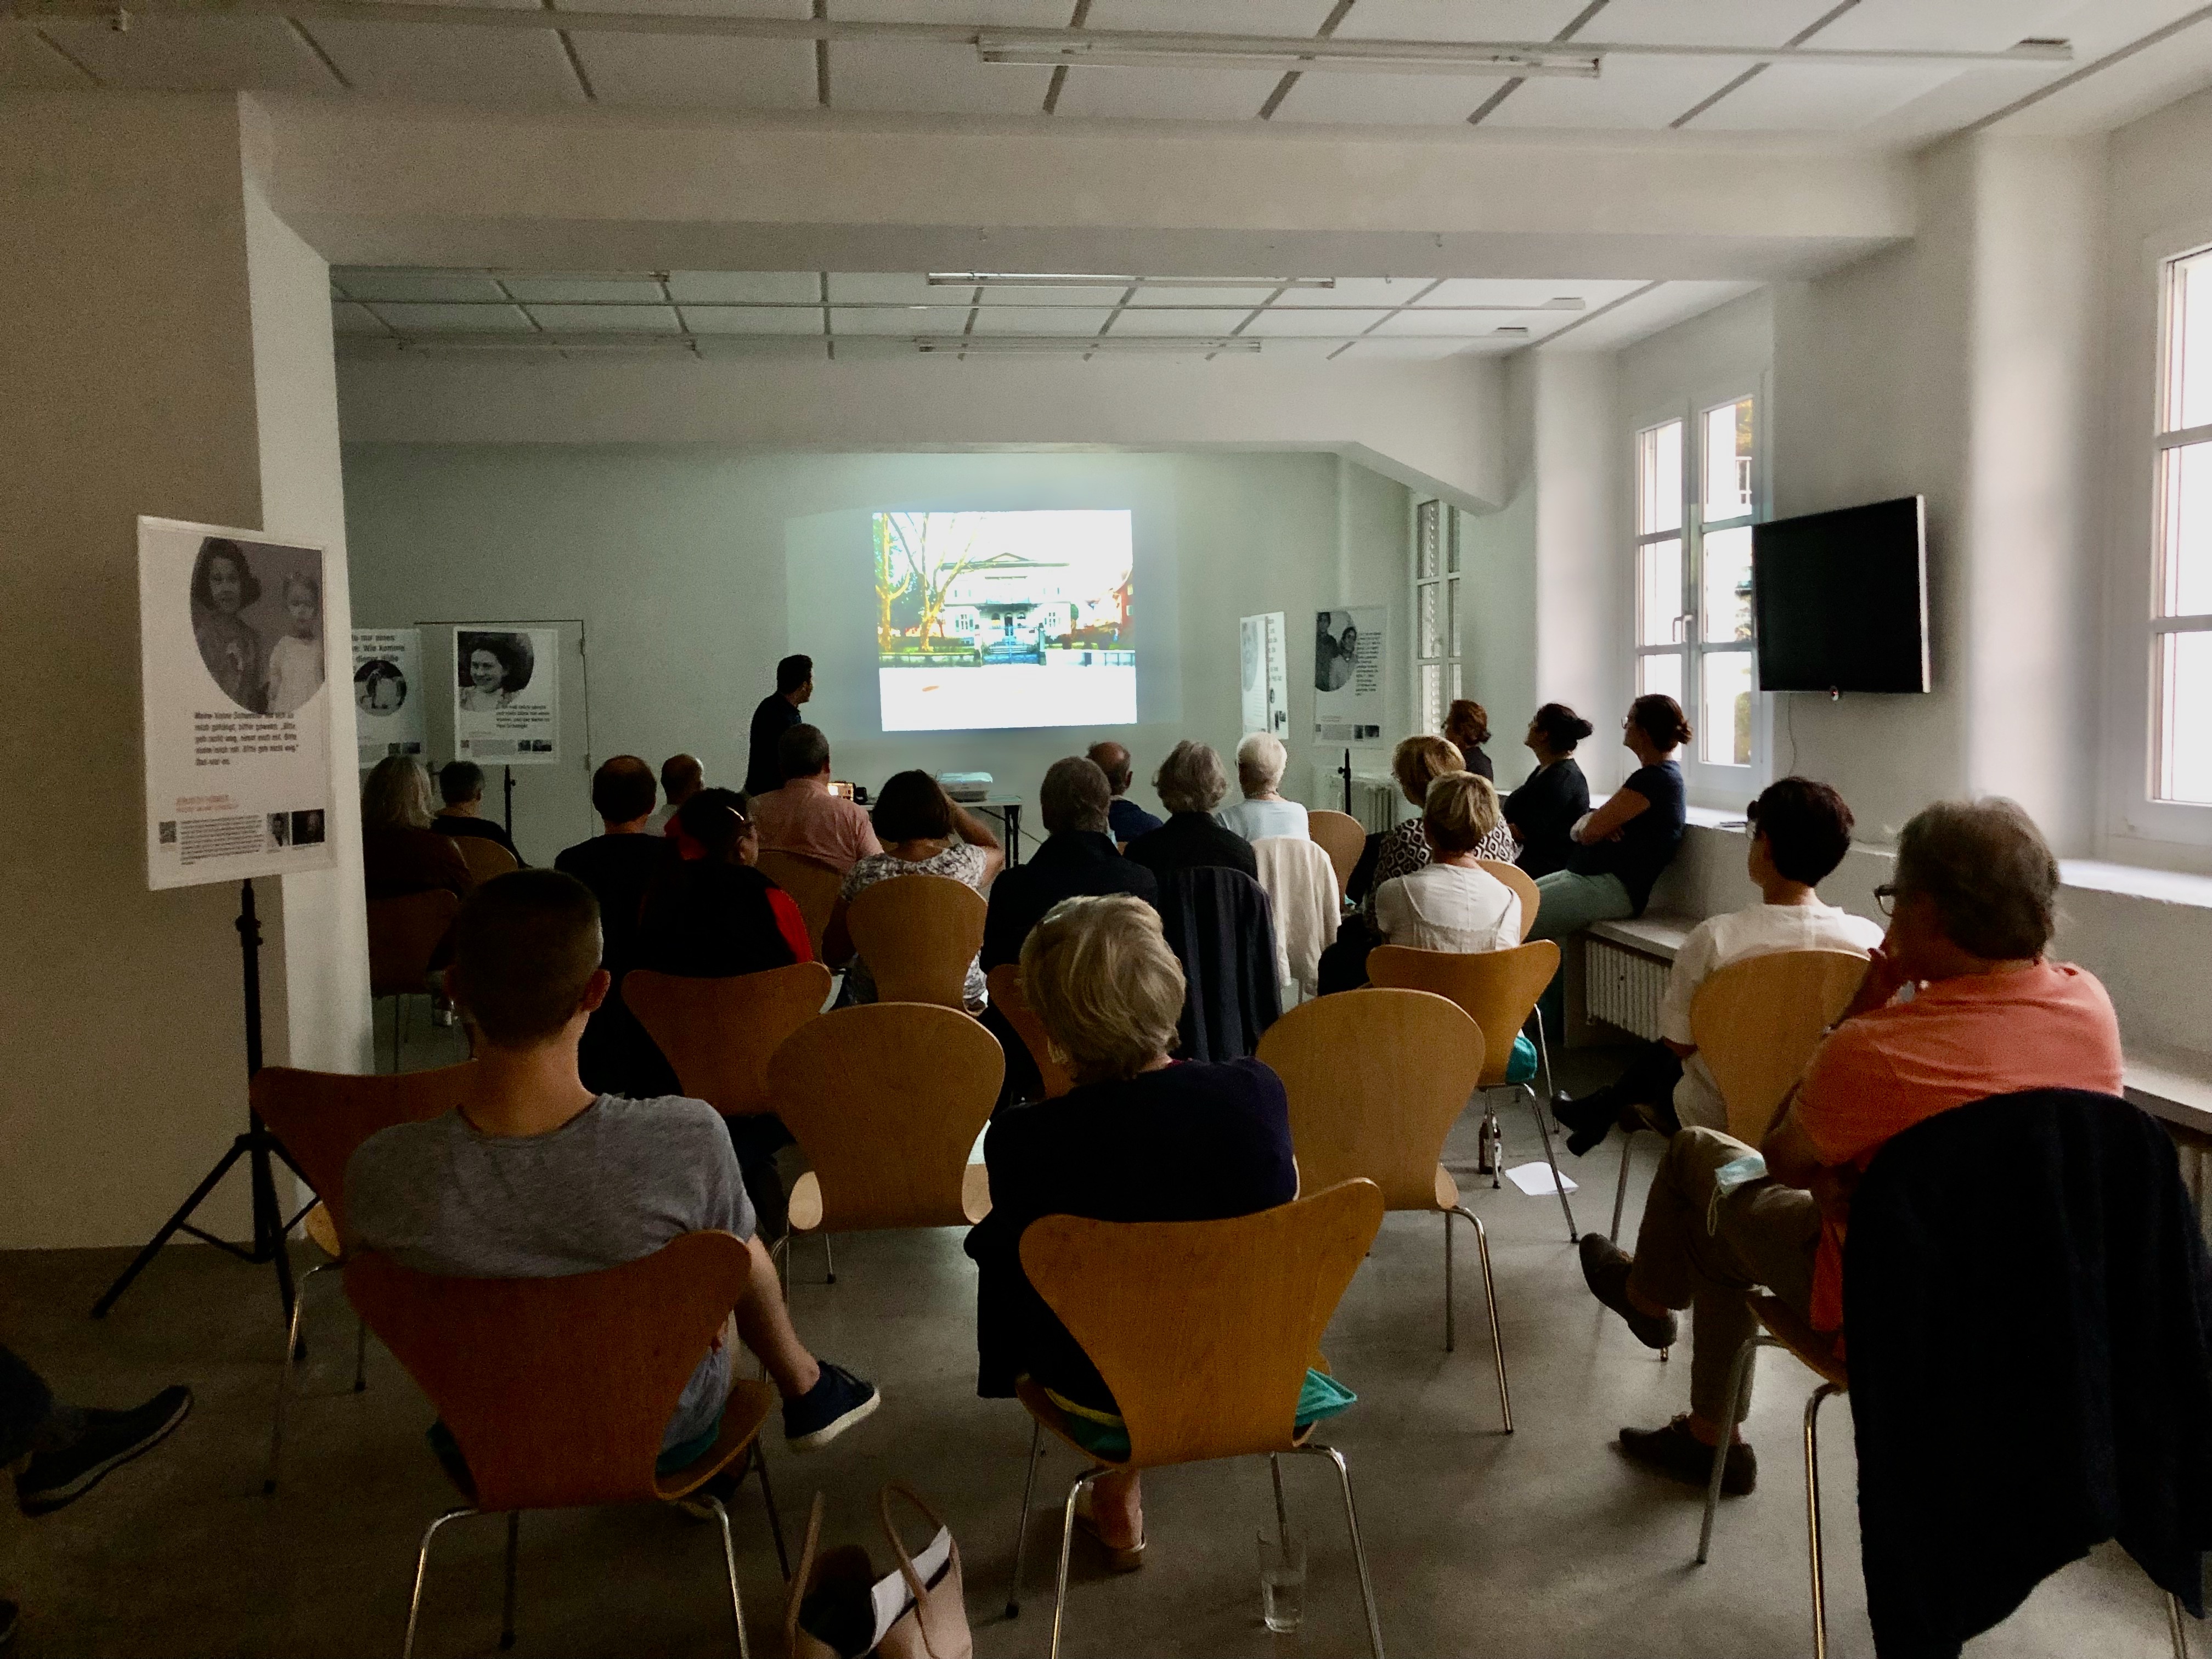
(614, 1183)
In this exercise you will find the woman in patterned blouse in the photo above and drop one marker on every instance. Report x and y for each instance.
(1416, 763)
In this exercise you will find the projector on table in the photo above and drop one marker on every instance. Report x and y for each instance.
(965, 786)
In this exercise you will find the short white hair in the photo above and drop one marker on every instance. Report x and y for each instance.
(1103, 983)
(1191, 778)
(1261, 759)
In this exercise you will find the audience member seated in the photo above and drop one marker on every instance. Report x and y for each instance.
(777, 715)
(461, 784)
(1190, 784)
(1141, 1138)
(534, 1177)
(1261, 759)
(400, 853)
(1126, 819)
(806, 816)
(1974, 903)
(1077, 859)
(1466, 725)
(1799, 832)
(1625, 845)
(681, 776)
(716, 915)
(1416, 763)
(1451, 902)
(620, 866)
(924, 834)
(1552, 800)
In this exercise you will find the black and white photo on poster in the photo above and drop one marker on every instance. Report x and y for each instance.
(234, 665)
(388, 692)
(507, 706)
(1348, 673)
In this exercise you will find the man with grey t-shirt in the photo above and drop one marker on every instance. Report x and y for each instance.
(535, 1176)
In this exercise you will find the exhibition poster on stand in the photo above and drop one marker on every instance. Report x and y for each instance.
(234, 670)
(507, 703)
(1266, 674)
(1348, 674)
(388, 692)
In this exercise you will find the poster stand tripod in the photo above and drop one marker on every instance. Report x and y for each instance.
(256, 1146)
(1345, 772)
(509, 770)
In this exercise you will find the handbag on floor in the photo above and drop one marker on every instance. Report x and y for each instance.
(840, 1609)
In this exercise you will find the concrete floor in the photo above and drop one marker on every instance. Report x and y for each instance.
(1545, 1542)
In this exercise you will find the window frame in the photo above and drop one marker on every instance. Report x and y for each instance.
(2163, 621)
(1448, 660)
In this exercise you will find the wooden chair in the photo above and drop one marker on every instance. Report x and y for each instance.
(404, 937)
(558, 1390)
(1005, 984)
(719, 1033)
(1203, 1331)
(1498, 990)
(1376, 1080)
(918, 934)
(1524, 888)
(813, 884)
(1343, 837)
(485, 858)
(320, 1119)
(886, 1101)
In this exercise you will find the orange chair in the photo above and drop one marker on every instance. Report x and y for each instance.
(485, 858)
(558, 1390)
(918, 934)
(1005, 984)
(1343, 837)
(719, 1033)
(813, 884)
(404, 937)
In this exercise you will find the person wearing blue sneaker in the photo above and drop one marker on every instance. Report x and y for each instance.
(536, 1176)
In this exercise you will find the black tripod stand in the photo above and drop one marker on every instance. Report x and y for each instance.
(255, 1146)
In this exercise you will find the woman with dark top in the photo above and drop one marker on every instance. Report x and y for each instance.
(1190, 783)
(1141, 1138)
(400, 853)
(1467, 723)
(1623, 847)
(1552, 800)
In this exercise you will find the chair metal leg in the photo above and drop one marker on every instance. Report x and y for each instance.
(1490, 1303)
(421, 1567)
(1448, 1285)
(779, 1253)
(506, 1608)
(730, 1563)
(1066, 1541)
(2175, 1629)
(1494, 1133)
(1813, 1516)
(1359, 1549)
(1544, 1052)
(1620, 1191)
(1022, 1528)
(1738, 1374)
(829, 1258)
(1282, 1509)
(767, 1501)
(284, 1379)
(360, 1354)
(1544, 1128)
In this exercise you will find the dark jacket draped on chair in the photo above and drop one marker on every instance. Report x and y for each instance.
(1220, 927)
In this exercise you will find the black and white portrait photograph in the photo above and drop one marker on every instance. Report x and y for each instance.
(257, 612)
(1336, 647)
(494, 667)
(379, 688)
(507, 706)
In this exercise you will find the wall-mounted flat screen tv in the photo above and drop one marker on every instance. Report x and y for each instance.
(1842, 599)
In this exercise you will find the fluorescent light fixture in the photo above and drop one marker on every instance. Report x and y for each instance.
(1080, 345)
(1065, 279)
(1133, 51)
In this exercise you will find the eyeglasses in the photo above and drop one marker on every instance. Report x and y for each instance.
(1885, 898)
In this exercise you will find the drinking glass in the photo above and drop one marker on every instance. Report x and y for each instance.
(1282, 1579)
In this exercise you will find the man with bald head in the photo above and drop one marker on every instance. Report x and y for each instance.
(681, 776)
(1125, 819)
(615, 1056)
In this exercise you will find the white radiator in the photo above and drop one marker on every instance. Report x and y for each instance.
(1376, 801)
(1623, 988)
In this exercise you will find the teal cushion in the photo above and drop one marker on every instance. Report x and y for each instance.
(1522, 1069)
(1320, 1396)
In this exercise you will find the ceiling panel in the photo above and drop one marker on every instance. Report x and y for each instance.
(752, 320)
(744, 285)
(1181, 323)
(1647, 313)
(1961, 25)
(606, 319)
(1397, 100)
(1818, 98)
(222, 53)
(1522, 291)
(891, 288)
(1279, 322)
(1465, 325)
(449, 63)
(1634, 93)
(465, 320)
(29, 64)
(899, 320)
(1379, 348)
(554, 290)
(1006, 13)
(1211, 17)
(1042, 319)
(1164, 94)
(1091, 298)
(1713, 22)
(370, 282)
(929, 78)
(1359, 290)
(1458, 19)
(703, 72)
(347, 317)
(1244, 297)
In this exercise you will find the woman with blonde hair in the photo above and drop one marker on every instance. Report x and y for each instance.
(400, 853)
(1416, 763)
(1451, 902)
(1261, 759)
(1139, 1138)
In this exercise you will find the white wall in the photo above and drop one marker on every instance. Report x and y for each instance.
(677, 559)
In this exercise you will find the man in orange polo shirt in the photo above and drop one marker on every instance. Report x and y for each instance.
(1972, 912)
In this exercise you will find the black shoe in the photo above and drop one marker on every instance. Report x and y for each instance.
(1605, 1270)
(109, 1440)
(8, 1620)
(835, 1403)
(1588, 1121)
(1674, 1451)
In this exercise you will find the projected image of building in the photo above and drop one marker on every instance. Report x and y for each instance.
(1012, 609)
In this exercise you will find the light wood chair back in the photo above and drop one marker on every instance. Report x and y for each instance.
(323, 1117)
(1006, 985)
(1343, 837)
(1497, 988)
(404, 934)
(813, 884)
(1524, 888)
(918, 934)
(1204, 1329)
(558, 1390)
(885, 1100)
(485, 858)
(719, 1033)
(1376, 1080)
(1757, 1022)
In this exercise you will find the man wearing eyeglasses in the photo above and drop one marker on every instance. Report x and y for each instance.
(1958, 1004)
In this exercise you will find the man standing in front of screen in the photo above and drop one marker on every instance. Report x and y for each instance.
(777, 715)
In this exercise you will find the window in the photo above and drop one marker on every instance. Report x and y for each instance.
(2181, 611)
(1695, 499)
(1436, 611)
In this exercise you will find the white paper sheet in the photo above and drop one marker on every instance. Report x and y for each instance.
(1536, 1180)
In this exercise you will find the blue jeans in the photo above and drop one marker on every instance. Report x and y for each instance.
(1566, 903)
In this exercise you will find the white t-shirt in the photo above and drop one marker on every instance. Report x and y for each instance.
(1448, 907)
(1759, 930)
(1256, 820)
